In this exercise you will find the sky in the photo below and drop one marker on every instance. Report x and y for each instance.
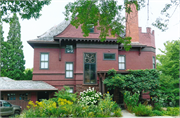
(53, 15)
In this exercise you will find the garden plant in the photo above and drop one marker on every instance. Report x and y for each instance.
(67, 104)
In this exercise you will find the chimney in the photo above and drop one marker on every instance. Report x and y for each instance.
(132, 29)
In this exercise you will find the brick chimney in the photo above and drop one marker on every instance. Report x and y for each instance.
(132, 29)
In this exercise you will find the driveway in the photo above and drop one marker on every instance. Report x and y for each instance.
(126, 114)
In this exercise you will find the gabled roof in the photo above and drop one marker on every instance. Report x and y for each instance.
(7, 84)
(65, 31)
(55, 30)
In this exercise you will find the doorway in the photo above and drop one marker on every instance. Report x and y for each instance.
(43, 95)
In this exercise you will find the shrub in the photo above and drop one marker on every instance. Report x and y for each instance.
(108, 107)
(157, 107)
(65, 94)
(142, 110)
(90, 96)
(131, 100)
(158, 113)
(173, 111)
(66, 108)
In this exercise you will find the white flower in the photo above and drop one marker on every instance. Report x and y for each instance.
(93, 88)
(81, 93)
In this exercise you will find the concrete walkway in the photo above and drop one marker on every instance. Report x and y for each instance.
(126, 114)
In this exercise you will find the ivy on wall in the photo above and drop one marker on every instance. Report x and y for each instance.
(136, 81)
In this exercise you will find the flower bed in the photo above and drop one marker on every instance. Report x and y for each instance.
(90, 104)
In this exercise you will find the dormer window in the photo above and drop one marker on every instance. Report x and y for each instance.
(91, 28)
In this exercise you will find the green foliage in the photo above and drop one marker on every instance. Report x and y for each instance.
(28, 74)
(162, 21)
(142, 110)
(170, 87)
(137, 81)
(173, 111)
(1, 30)
(169, 60)
(158, 113)
(105, 14)
(65, 94)
(131, 100)
(12, 62)
(169, 67)
(107, 107)
(114, 80)
(65, 108)
(26, 9)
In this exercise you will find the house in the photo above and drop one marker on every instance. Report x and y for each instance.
(19, 92)
(62, 56)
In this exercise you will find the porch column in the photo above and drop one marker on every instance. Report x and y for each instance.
(100, 84)
(103, 87)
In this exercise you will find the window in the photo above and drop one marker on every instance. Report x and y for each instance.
(122, 64)
(154, 63)
(11, 96)
(6, 104)
(69, 69)
(108, 56)
(71, 90)
(69, 49)
(91, 28)
(23, 96)
(90, 68)
(44, 64)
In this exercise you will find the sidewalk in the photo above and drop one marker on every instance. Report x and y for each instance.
(126, 114)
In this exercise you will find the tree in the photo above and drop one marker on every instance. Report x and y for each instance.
(13, 57)
(1, 30)
(108, 14)
(170, 59)
(25, 8)
(168, 65)
(28, 74)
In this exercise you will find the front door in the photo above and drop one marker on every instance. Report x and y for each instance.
(90, 68)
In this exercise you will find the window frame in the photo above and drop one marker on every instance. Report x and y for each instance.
(84, 69)
(121, 62)
(44, 61)
(69, 52)
(69, 70)
(91, 28)
(72, 89)
(110, 59)
(11, 96)
(154, 62)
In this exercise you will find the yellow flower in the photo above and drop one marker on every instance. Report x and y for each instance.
(107, 91)
(28, 107)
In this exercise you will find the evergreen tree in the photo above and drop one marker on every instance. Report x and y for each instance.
(28, 74)
(13, 59)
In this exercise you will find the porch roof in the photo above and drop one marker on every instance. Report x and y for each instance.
(7, 84)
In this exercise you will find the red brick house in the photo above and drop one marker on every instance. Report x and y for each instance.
(62, 56)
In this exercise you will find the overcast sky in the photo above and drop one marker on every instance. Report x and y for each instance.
(53, 15)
